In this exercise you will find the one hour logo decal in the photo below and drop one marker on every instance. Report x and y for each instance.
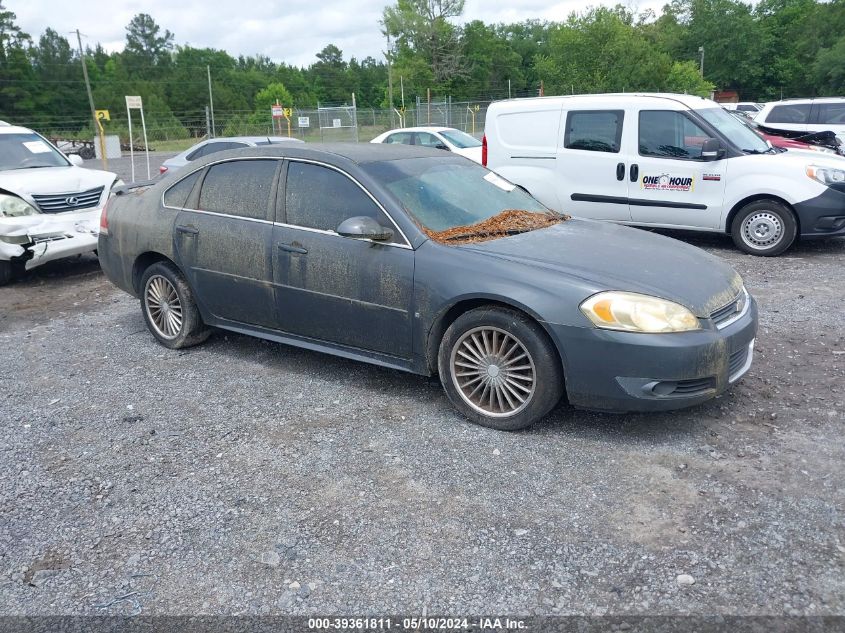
(667, 182)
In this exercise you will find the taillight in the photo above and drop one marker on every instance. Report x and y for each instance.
(161, 170)
(104, 219)
(484, 150)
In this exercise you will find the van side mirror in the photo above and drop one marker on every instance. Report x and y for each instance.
(712, 149)
(364, 228)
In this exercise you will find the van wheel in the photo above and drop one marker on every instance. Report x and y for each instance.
(5, 272)
(169, 308)
(764, 227)
(499, 368)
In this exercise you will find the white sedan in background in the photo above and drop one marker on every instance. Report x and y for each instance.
(446, 138)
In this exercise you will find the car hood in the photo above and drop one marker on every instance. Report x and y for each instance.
(473, 153)
(44, 180)
(613, 257)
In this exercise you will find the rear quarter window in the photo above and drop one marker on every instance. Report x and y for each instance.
(178, 194)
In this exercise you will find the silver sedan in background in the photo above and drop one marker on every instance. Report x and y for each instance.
(213, 145)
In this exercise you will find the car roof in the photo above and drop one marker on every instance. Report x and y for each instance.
(250, 139)
(422, 128)
(656, 98)
(355, 152)
(8, 128)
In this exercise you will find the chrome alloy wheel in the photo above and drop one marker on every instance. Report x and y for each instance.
(493, 371)
(163, 306)
(762, 230)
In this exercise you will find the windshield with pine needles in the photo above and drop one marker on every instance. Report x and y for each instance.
(455, 201)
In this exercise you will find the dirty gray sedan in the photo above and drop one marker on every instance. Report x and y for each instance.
(424, 262)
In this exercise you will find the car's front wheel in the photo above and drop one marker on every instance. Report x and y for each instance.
(499, 368)
(764, 227)
(169, 308)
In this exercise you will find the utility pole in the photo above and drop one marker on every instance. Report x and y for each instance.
(701, 50)
(509, 88)
(91, 99)
(210, 100)
(389, 76)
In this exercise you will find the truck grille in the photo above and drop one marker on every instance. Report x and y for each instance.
(61, 202)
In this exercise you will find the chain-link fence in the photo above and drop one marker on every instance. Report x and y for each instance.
(325, 123)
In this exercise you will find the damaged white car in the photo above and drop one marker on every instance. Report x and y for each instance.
(49, 205)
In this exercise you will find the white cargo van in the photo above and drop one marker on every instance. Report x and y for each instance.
(664, 160)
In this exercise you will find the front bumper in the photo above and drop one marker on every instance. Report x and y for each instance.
(625, 371)
(822, 216)
(38, 239)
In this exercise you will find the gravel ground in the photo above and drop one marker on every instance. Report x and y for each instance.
(245, 477)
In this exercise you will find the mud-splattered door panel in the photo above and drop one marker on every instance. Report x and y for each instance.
(344, 290)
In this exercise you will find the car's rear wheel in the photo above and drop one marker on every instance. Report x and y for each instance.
(499, 368)
(5, 272)
(169, 308)
(764, 227)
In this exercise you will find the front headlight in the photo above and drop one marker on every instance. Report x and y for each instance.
(633, 312)
(826, 175)
(14, 207)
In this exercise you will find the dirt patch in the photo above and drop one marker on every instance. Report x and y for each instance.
(508, 222)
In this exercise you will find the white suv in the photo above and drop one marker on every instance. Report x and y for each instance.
(49, 205)
(805, 115)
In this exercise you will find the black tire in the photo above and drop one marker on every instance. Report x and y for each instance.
(164, 291)
(765, 227)
(87, 153)
(499, 329)
(5, 272)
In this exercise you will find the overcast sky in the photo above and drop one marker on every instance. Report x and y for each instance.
(290, 31)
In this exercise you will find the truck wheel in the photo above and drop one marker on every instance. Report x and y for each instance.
(169, 309)
(5, 272)
(499, 368)
(87, 153)
(764, 227)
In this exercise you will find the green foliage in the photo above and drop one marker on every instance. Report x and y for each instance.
(774, 48)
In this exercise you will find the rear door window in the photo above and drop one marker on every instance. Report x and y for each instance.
(239, 187)
(670, 134)
(594, 130)
(402, 138)
(791, 113)
(831, 113)
(427, 140)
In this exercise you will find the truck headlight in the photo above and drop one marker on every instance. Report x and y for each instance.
(634, 312)
(14, 207)
(826, 175)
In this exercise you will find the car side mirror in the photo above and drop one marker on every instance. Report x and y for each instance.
(75, 160)
(362, 227)
(712, 149)
(442, 146)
